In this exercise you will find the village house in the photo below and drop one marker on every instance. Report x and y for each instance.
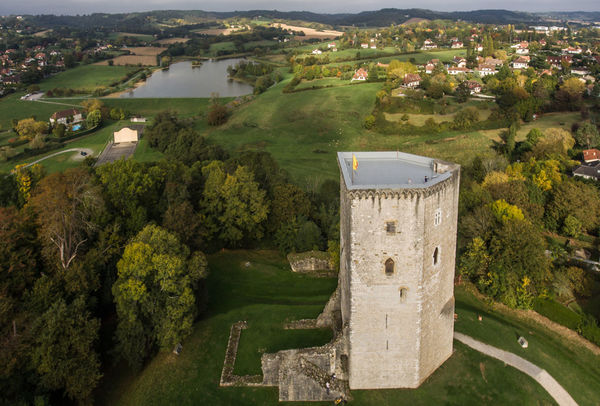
(455, 70)
(456, 44)
(428, 44)
(331, 45)
(429, 68)
(479, 48)
(572, 50)
(521, 62)
(474, 87)
(589, 170)
(317, 52)
(65, 117)
(373, 46)
(591, 155)
(580, 71)
(556, 61)
(364, 45)
(460, 62)
(360, 74)
(411, 80)
(485, 70)
(493, 61)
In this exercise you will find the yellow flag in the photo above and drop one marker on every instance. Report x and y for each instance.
(354, 162)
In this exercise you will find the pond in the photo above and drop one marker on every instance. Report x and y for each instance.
(183, 80)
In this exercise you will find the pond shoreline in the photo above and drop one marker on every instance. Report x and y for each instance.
(193, 78)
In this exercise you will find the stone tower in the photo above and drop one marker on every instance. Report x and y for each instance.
(398, 240)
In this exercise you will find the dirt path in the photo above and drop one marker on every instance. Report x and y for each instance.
(86, 150)
(560, 395)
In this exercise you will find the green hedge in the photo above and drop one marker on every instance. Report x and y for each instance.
(584, 324)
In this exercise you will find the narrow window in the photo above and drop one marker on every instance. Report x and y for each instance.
(389, 267)
(403, 294)
(436, 254)
(390, 227)
(437, 218)
(386, 321)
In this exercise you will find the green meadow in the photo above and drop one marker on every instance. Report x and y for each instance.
(87, 77)
(266, 293)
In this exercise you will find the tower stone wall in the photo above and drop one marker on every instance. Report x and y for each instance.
(398, 315)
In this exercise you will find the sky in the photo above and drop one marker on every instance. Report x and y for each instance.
(332, 6)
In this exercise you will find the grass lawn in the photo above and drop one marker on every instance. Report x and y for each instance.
(549, 120)
(12, 106)
(86, 77)
(574, 367)
(143, 152)
(185, 107)
(95, 142)
(222, 46)
(266, 294)
(305, 84)
(419, 119)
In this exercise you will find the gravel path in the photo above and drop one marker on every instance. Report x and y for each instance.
(560, 395)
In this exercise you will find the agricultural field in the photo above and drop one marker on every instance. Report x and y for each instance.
(145, 56)
(266, 293)
(309, 33)
(87, 77)
(141, 37)
(169, 41)
(222, 46)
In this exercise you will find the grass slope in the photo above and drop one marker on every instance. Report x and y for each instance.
(86, 77)
(266, 293)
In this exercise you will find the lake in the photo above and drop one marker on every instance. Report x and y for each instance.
(183, 80)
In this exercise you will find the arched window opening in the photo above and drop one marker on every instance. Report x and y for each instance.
(436, 254)
(389, 267)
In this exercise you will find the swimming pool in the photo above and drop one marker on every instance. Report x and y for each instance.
(76, 127)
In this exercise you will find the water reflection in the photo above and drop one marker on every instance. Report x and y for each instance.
(183, 80)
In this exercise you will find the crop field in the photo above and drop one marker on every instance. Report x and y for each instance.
(145, 56)
(169, 41)
(141, 37)
(309, 33)
(266, 293)
(86, 77)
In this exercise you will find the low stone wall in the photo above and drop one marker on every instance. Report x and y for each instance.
(227, 376)
(310, 261)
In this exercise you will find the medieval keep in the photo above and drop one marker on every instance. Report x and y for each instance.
(398, 220)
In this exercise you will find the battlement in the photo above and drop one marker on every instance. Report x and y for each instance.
(392, 170)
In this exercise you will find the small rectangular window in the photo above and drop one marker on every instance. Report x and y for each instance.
(437, 219)
(390, 227)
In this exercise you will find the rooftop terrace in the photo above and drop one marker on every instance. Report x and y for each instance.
(389, 170)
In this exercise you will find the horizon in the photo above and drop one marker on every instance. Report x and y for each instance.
(78, 8)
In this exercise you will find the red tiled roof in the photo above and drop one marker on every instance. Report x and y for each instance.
(591, 154)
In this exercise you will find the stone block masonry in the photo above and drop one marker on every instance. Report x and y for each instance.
(398, 240)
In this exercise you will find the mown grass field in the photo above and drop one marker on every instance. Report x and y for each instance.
(86, 77)
(11, 107)
(266, 294)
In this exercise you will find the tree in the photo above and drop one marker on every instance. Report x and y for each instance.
(155, 293)
(575, 199)
(65, 204)
(29, 128)
(587, 135)
(462, 92)
(63, 353)
(93, 119)
(217, 113)
(465, 118)
(92, 104)
(289, 202)
(556, 142)
(308, 237)
(59, 131)
(234, 205)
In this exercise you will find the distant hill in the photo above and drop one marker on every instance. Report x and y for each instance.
(379, 18)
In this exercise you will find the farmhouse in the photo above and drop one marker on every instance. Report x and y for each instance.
(429, 44)
(456, 70)
(485, 70)
(66, 117)
(591, 155)
(572, 50)
(331, 45)
(360, 74)
(456, 44)
(589, 170)
(460, 62)
(411, 80)
(125, 135)
(474, 87)
(521, 62)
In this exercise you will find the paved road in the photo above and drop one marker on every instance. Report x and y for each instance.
(87, 150)
(560, 395)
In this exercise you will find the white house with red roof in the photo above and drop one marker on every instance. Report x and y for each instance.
(591, 155)
(429, 44)
(485, 69)
(66, 116)
(455, 70)
(572, 50)
(411, 80)
(456, 45)
(521, 62)
(360, 74)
